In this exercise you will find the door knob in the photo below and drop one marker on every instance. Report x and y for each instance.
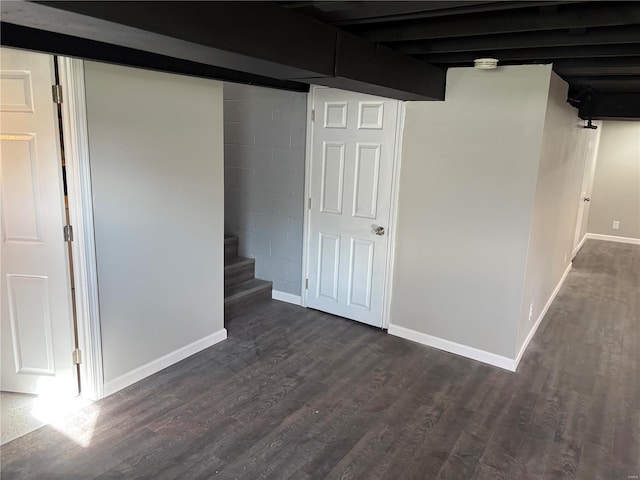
(379, 230)
(586, 199)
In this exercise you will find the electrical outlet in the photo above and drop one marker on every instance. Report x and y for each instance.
(530, 310)
(616, 225)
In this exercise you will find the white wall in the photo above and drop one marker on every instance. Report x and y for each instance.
(264, 179)
(555, 209)
(467, 188)
(616, 188)
(156, 153)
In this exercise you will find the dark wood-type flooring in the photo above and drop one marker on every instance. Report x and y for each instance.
(299, 394)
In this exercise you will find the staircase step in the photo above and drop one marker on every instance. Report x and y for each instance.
(238, 270)
(242, 295)
(244, 289)
(230, 246)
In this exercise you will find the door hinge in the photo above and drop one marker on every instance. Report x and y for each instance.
(76, 357)
(309, 203)
(313, 115)
(68, 233)
(306, 284)
(56, 91)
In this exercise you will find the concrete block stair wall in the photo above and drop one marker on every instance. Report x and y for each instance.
(241, 288)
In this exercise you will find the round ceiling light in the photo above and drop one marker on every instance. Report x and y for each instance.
(485, 63)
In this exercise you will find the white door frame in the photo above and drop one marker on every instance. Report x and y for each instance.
(76, 149)
(393, 207)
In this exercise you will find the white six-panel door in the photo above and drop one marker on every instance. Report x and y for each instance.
(352, 153)
(37, 335)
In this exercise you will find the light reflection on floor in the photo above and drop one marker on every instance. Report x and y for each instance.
(21, 414)
(17, 416)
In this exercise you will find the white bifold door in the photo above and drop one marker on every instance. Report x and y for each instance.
(37, 326)
(352, 154)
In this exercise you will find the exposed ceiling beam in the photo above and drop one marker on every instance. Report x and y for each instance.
(546, 54)
(603, 84)
(569, 69)
(358, 62)
(612, 106)
(604, 78)
(271, 41)
(216, 33)
(603, 36)
(428, 10)
(607, 62)
(523, 20)
(593, 45)
(57, 44)
(338, 11)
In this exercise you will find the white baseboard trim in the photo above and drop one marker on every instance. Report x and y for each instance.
(286, 297)
(163, 362)
(613, 238)
(577, 249)
(453, 347)
(533, 330)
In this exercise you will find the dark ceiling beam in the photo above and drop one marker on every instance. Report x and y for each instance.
(523, 20)
(215, 33)
(607, 62)
(544, 55)
(339, 12)
(57, 44)
(606, 83)
(358, 9)
(257, 38)
(612, 106)
(430, 10)
(566, 69)
(603, 36)
(603, 78)
(594, 46)
(358, 61)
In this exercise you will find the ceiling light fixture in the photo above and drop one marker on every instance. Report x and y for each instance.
(485, 63)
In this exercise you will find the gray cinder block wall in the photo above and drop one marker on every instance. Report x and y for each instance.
(264, 142)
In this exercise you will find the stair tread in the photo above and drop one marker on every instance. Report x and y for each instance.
(245, 288)
(230, 239)
(237, 261)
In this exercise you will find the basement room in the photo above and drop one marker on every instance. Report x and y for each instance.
(318, 240)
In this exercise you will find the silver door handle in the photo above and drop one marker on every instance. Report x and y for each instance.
(379, 231)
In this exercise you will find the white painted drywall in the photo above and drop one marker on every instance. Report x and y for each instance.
(467, 189)
(616, 188)
(156, 153)
(555, 209)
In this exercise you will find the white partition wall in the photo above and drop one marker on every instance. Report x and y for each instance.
(467, 184)
(555, 209)
(489, 188)
(156, 152)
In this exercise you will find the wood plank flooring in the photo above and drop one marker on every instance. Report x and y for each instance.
(298, 394)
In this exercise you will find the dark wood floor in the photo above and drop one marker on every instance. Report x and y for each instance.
(298, 394)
